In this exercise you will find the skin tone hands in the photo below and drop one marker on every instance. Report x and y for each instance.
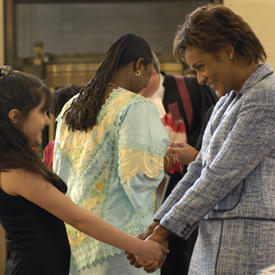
(182, 152)
(148, 258)
(155, 233)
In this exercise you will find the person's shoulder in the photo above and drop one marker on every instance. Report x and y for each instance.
(23, 182)
(262, 93)
(12, 179)
(132, 98)
(14, 173)
(141, 104)
(135, 106)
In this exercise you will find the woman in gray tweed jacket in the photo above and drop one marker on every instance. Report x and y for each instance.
(229, 190)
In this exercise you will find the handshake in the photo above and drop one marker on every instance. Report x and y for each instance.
(154, 249)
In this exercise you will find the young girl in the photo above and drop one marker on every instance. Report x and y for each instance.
(32, 201)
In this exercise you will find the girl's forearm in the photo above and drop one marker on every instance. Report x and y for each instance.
(107, 233)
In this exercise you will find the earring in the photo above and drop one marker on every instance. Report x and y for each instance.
(231, 56)
(137, 73)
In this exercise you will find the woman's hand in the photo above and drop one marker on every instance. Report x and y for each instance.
(160, 236)
(154, 256)
(149, 230)
(153, 250)
(182, 152)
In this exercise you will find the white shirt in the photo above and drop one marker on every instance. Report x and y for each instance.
(157, 98)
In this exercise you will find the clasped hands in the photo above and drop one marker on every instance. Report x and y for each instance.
(154, 233)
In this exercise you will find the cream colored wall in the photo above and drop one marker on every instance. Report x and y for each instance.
(1, 33)
(260, 15)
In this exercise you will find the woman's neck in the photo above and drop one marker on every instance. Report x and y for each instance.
(243, 74)
(121, 78)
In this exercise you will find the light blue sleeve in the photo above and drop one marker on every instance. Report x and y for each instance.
(141, 128)
(142, 145)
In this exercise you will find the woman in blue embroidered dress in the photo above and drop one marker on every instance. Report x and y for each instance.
(229, 189)
(109, 149)
(33, 205)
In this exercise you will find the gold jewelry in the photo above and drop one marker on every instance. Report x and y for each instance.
(137, 73)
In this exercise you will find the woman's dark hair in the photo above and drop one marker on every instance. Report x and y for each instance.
(212, 27)
(24, 92)
(61, 96)
(82, 113)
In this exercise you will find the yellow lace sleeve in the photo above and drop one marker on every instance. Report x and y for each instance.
(133, 161)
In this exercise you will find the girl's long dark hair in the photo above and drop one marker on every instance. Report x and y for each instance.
(24, 92)
(82, 113)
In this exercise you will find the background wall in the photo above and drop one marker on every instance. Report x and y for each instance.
(91, 28)
(259, 14)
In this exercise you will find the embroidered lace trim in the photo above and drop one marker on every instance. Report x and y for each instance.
(133, 161)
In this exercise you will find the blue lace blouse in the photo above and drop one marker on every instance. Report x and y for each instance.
(112, 170)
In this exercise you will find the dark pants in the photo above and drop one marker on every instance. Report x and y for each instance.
(178, 260)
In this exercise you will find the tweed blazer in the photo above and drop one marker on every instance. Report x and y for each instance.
(234, 174)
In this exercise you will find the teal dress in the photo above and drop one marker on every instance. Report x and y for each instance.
(112, 171)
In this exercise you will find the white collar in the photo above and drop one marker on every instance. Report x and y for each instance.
(157, 97)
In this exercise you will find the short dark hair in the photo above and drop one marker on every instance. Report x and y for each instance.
(212, 27)
(82, 113)
(22, 91)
